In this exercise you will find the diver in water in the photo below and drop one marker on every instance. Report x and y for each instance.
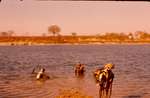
(40, 73)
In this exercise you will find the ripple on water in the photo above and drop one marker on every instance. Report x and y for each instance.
(16, 63)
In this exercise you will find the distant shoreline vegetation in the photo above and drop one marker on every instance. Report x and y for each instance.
(54, 37)
(73, 40)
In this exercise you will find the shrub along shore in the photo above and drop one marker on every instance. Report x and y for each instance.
(52, 40)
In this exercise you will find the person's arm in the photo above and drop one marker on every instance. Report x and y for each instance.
(33, 71)
(112, 77)
(100, 77)
(38, 76)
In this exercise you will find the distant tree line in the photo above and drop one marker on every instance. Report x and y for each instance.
(54, 36)
(7, 34)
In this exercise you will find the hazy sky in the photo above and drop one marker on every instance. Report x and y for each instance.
(82, 17)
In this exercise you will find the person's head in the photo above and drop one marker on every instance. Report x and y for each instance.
(109, 66)
(97, 71)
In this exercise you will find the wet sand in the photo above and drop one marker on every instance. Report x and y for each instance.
(72, 93)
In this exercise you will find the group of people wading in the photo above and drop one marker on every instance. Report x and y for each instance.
(103, 76)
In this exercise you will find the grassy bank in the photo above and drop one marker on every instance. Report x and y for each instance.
(51, 40)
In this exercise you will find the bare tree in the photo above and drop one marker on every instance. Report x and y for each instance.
(3, 34)
(54, 29)
(74, 34)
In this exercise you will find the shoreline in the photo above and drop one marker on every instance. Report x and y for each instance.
(72, 93)
(43, 44)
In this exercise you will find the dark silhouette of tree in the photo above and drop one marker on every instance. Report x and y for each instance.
(9, 33)
(3, 34)
(74, 37)
(74, 34)
(54, 29)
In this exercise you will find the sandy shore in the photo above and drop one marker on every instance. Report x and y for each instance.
(72, 93)
(42, 44)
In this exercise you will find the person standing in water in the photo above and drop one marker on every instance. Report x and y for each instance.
(79, 69)
(104, 77)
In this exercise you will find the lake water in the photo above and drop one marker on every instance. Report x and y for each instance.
(132, 71)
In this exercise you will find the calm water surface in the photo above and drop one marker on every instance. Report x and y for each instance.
(132, 72)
